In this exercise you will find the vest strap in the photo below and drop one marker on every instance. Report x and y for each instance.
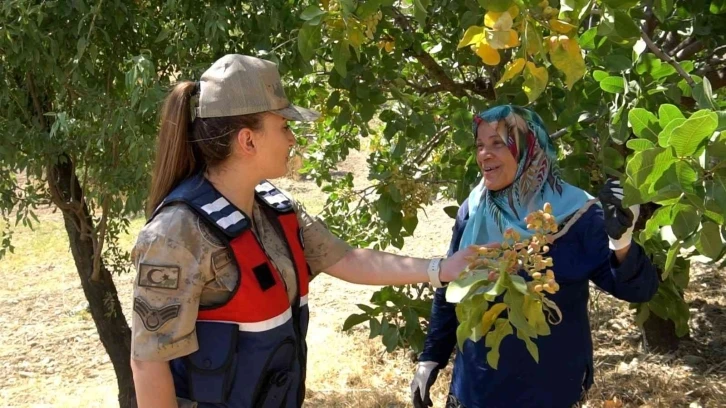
(273, 198)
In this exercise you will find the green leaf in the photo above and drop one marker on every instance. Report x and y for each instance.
(308, 40)
(619, 27)
(512, 70)
(686, 176)
(687, 137)
(459, 289)
(620, 4)
(659, 304)
(671, 260)
(535, 81)
(518, 283)
(566, 56)
(664, 71)
(647, 166)
(710, 243)
(409, 223)
(311, 12)
(385, 206)
(685, 220)
(599, 75)
(642, 315)
(639, 144)
(721, 119)
(390, 338)
(681, 273)
(531, 347)
(613, 84)
(502, 329)
(341, 55)
(473, 35)
(587, 39)
(665, 134)
(375, 328)
(163, 35)
(495, 5)
(81, 47)
(515, 300)
(618, 129)
(532, 309)
(618, 63)
(490, 316)
(613, 158)
(645, 124)
(413, 323)
(717, 7)
(648, 63)
(368, 8)
(353, 320)
(662, 9)
(668, 113)
(451, 211)
(420, 10)
(703, 95)
(367, 309)
(717, 190)
(681, 315)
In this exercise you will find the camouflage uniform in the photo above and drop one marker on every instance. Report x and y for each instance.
(182, 265)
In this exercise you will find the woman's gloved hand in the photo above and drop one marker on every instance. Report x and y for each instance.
(426, 373)
(619, 221)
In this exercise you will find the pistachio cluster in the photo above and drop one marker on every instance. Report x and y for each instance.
(516, 254)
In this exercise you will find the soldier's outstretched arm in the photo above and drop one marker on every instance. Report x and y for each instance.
(154, 384)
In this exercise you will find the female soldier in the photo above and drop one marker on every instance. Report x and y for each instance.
(220, 302)
(519, 168)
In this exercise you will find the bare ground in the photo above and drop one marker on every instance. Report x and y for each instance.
(50, 355)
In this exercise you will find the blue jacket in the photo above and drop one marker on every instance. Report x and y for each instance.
(566, 366)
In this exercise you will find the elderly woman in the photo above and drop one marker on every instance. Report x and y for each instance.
(519, 167)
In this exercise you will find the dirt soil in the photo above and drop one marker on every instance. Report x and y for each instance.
(51, 357)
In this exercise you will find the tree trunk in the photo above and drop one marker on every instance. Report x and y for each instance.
(102, 297)
(660, 335)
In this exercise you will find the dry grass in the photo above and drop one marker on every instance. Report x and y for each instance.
(51, 356)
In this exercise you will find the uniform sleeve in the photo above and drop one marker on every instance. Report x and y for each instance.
(322, 248)
(633, 280)
(167, 289)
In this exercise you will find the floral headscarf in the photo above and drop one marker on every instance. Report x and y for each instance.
(537, 180)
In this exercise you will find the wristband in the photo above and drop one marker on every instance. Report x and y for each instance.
(433, 271)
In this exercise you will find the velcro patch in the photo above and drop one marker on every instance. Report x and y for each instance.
(155, 276)
(154, 318)
(220, 259)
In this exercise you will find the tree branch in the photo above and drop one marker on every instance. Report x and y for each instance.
(651, 22)
(683, 44)
(436, 72)
(39, 111)
(431, 145)
(558, 134)
(99, 240)
(671, 40)
(689, 50)
(666, 58)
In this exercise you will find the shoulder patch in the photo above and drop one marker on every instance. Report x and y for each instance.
(220, 259)
(157, 276)
(154, 318)
(274, 198)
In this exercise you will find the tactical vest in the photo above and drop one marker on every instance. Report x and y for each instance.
(252, 350)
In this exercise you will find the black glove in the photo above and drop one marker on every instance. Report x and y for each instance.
(619, 221)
